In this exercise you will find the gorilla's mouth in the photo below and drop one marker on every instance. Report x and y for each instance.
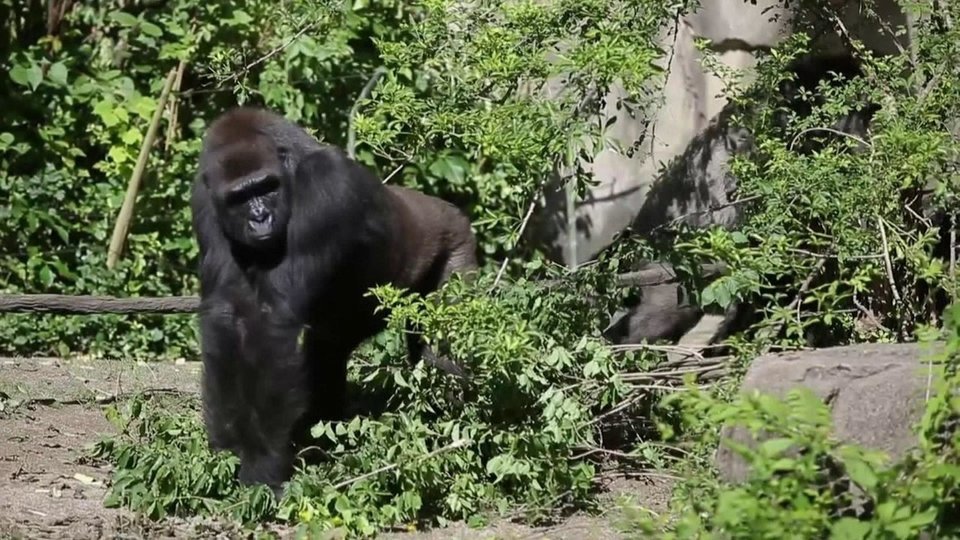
(261, 227)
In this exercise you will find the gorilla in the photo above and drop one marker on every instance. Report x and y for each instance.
(292, 234)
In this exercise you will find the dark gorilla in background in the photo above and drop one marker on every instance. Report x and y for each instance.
(292, 235)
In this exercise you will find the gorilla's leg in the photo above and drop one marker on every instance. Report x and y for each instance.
(220, 334)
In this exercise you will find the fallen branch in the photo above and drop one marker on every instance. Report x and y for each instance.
(660, 273)
(103, 399)
(65, 304)
(174, 106)
(459, 443)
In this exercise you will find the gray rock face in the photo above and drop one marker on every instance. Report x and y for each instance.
(628, 187)
(876, 394)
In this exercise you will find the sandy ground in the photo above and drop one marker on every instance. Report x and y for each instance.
(51, 410)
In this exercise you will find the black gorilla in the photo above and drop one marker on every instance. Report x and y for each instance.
(292, 235)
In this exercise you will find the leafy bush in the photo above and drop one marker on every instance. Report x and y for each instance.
(843, 240)
(445, 113)
(456, 106)
(805, 484)
(427, 447)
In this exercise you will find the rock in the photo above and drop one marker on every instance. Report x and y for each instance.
(876, 394)
(626, 186)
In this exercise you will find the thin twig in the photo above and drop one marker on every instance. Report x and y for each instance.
(605, 451)
(351, 128)
(867, 312)
(277, 50)
(459, 443)
(771, 331)
(654, 375)
(828, 130)
(673, 349)
(624, 405)
(394, 172)
(953, 252)
(640, 474)
(106, 398)
(887, 262)
(834, 256)
(523, 227)
(711, 209)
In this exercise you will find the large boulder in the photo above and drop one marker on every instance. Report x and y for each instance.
(876, 394)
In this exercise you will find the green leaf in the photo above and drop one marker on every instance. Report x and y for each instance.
(849, 529)
(144, 107)
(58, 73)
(46, 276)
(123, 18)
(707, 297)
(18, 73)
(452, 168)
(861, 472)
(119, 154)
(910, 526)
(783, 464)
(774, 447)
(34, 76)
(131, 136)
(150, 29)
(105, 110)
(240, 17)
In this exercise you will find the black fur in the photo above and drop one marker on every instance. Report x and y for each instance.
(279, 318)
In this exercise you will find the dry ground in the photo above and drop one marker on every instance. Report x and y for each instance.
(51, 409)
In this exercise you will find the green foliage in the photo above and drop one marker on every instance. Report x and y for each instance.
(446, 117)
(171, 470)
(78, 104)
(462, 107)
(426, 447)
(843, 239)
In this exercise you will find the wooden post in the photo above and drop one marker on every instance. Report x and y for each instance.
(122, 227)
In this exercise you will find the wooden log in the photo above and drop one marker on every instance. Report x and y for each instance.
(87, 305)
(65, 304)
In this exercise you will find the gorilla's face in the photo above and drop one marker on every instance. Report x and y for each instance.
(250, 180)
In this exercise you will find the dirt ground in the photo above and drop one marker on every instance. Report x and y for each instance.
(51, 410)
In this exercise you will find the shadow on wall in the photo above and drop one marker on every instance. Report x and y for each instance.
(697, 187)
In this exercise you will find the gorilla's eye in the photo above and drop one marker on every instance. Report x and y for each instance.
(253, 188)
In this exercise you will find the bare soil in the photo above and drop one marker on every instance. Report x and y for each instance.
(51, 411)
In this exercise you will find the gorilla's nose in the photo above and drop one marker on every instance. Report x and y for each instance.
(261, 222)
